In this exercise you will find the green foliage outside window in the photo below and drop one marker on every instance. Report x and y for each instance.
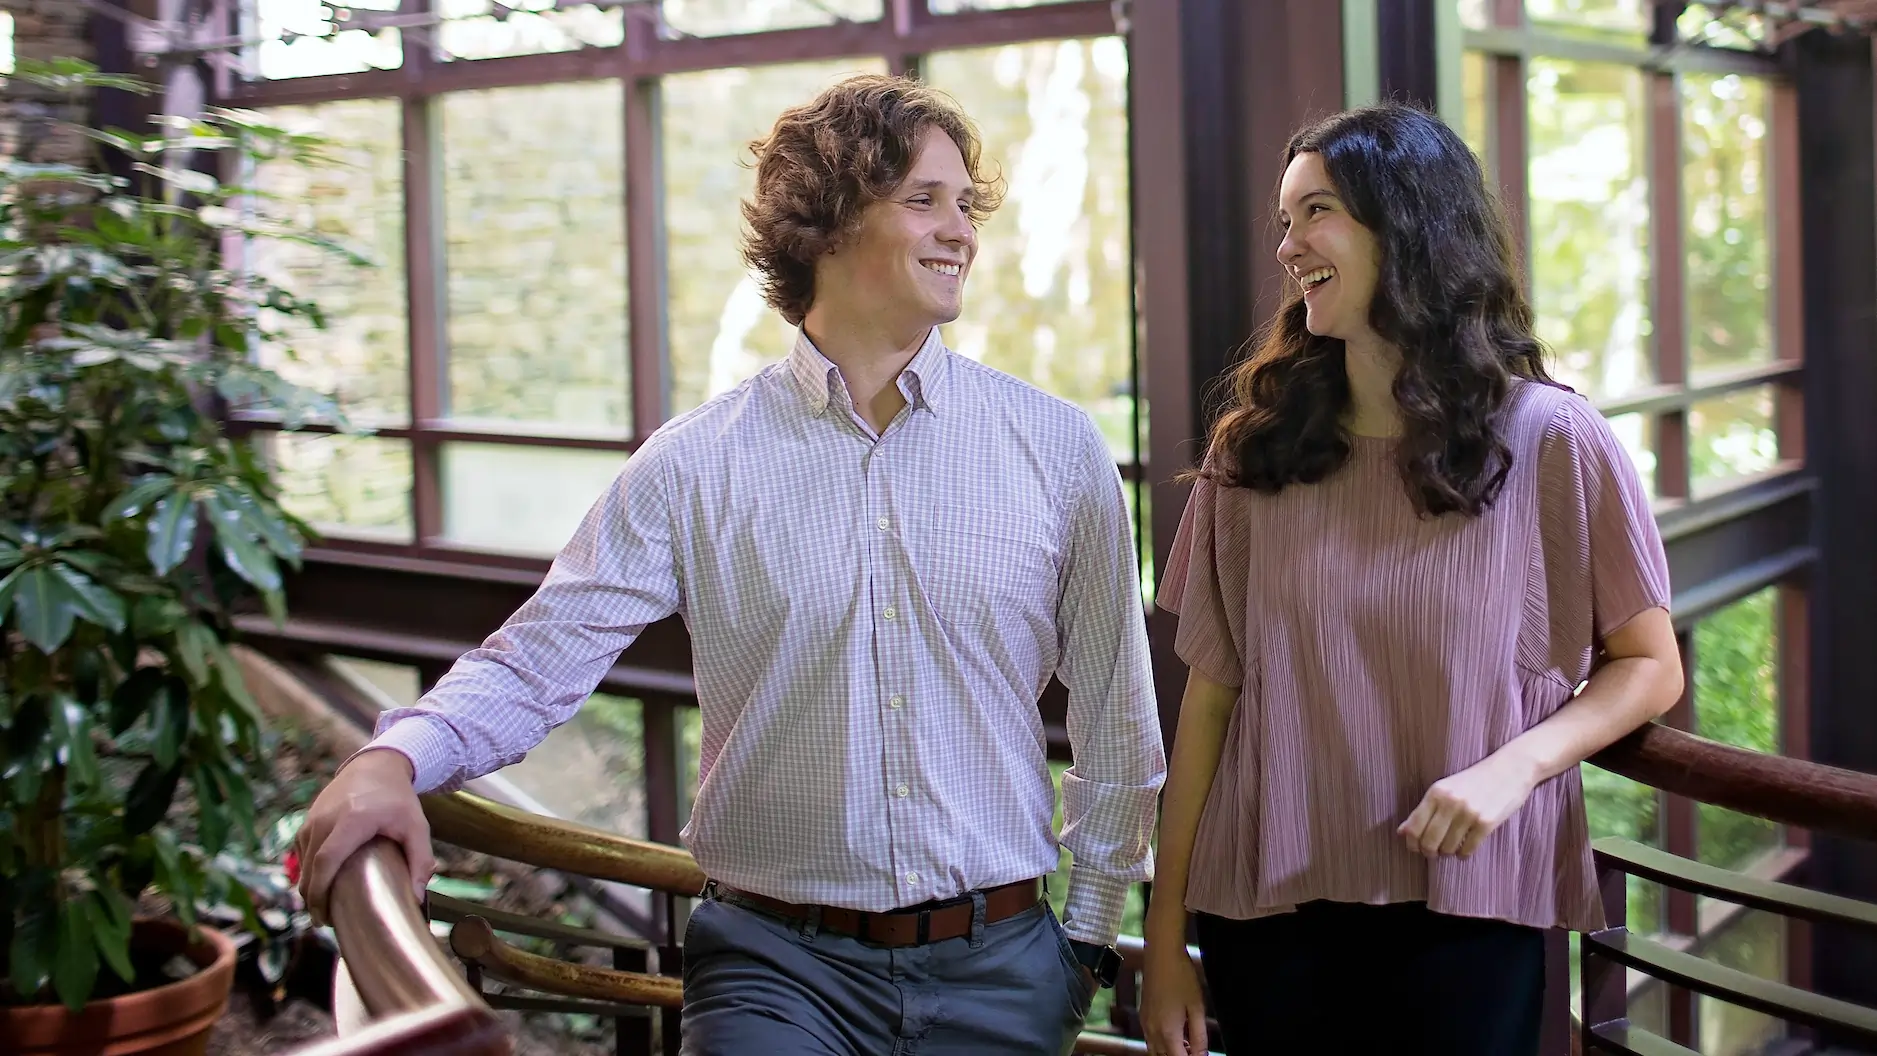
(1736, 695)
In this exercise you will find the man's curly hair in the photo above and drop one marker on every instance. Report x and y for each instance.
(825, 161)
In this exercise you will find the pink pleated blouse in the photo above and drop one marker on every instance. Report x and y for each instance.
(1379, 651)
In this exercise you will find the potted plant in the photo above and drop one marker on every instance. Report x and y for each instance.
(132, 526)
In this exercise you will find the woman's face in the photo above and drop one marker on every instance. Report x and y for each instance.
(1334, 258)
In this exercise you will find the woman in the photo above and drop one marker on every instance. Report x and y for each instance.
(1406, 548)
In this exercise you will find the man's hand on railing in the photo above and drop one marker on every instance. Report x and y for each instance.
(371, 796)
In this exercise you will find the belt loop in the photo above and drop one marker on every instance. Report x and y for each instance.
(812, 926)
(977, 920)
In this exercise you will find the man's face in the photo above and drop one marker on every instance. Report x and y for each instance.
(908, 260)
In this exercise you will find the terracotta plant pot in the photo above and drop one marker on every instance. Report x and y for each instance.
(170, 1020)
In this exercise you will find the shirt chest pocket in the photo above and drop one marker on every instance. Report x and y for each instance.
(974, 565)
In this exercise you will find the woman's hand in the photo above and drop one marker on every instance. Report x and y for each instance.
(1460, 811)
(1173, 1008)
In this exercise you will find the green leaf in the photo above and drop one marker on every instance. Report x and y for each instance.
(93, 601)
(182, 179)
(110, 912)
(276, 602)
(212, 813)
(93, 563)
(150, 796)
(132, 502)
(35, 944)
(172, 531)
(240, 549)
(169, 719)
(195, 644)
(271, 529)
(242, 899)
(132, 696)
(239, 797)
(10, 555)
(72, 727)
(175, 874)
(29, 749)
(233, 682)
(154, 616)
(46, 608)
(8, 586)
(73, 533)
(75, 968)
(25, 773)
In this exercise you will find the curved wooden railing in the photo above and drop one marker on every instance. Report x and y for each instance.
(1807, 795)
(417, 999)
(1788, 791)
(414, 993)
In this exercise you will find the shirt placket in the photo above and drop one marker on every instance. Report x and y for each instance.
(894, 668)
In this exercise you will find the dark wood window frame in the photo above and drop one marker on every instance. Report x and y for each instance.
(425, 602)
(907, 32)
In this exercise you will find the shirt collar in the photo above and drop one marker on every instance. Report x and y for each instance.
(820, 380)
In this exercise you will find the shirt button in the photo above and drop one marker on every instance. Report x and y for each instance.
(912, 878)
(903, 791)
(882, 522)
(895, 701)
(890, 612)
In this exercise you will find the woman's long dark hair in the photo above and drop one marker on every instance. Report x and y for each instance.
(1447, 296)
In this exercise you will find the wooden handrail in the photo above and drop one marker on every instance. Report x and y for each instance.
(478, 824)
(418, 1000)
(1779, 1000)
(1795, 792)
(475, 942)
(1728, 885)
(395, 964)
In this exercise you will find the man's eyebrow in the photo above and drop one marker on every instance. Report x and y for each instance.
(938, 185)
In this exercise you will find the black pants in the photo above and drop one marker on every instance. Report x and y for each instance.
(1339, 977)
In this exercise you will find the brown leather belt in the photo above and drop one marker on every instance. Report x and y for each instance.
(913, 926)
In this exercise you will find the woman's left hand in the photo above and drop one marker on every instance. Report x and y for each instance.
(1460, 811)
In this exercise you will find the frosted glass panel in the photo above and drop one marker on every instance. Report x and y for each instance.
(357, 486)
(362, 353)
(520, 498)
(534, 220)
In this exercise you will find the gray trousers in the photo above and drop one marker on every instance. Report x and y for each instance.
(757, 984)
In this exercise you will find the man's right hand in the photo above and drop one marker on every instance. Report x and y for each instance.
(371, 796)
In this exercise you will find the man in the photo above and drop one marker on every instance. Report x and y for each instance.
(882, 551)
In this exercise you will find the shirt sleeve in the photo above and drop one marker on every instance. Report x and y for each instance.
(1202, 572)
(1615, 531)
(1110, 793)
(617, 575)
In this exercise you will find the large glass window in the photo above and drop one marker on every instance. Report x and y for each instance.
(1050, 299)
(355, 197)
(535, 253)
(1736, 698)
(1642, 172)
(553, 192)
(720, 329)
(1589, 195)
(537, 212)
